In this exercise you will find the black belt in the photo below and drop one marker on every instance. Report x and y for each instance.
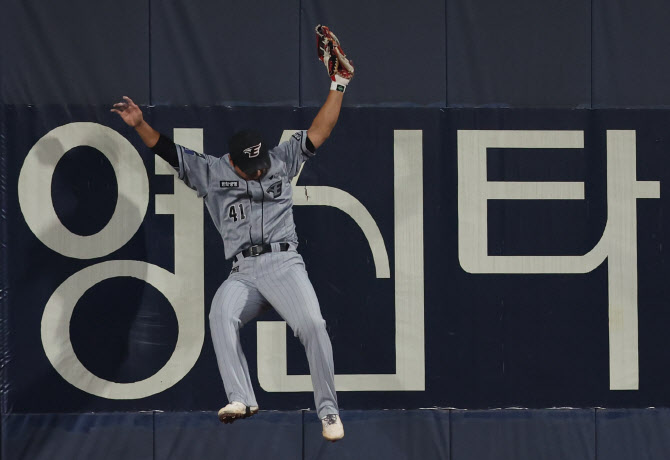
(259, 249)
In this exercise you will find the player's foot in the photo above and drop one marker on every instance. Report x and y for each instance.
(332, 427)
(235, 410)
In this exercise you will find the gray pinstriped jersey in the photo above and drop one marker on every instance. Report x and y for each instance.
(247, 212)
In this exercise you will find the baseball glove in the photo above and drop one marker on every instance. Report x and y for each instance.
(328, 48)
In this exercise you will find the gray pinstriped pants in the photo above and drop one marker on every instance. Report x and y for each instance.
(279, 280)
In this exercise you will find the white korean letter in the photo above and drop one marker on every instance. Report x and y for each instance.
(618, 243)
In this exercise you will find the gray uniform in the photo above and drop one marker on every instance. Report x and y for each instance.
(248, 213)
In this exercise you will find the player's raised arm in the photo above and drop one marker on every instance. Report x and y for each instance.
(132, 115)
(159, 144)
(325, 120)
(341, 71)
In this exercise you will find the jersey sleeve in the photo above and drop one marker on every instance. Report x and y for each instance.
(294, 152)
(194, 169)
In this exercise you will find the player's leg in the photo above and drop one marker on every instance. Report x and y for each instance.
(283, 281)
(236, 302)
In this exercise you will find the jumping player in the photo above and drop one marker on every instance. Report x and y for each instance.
(249, 197)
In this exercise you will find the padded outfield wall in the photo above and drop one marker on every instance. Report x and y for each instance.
(485, 228)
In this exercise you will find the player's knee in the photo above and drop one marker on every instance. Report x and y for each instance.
(214, 314)
(219, 317)
(312, 327)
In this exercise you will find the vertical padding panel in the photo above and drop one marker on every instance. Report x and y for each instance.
(100, 436)
(376, 434)
(74, 52)
(200, 435)
(640, 434)
(552, 434)
(398, 49)
(630, 43)
(518, 53)
(224, 53)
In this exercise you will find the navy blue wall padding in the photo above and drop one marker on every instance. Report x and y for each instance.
(199, 435)
(522, 434)
(511, 434)
(101, 436)
(221, 53)
(74, 52)
(398, 49)
(424, 53)
(388, 435)
(518, 53)
(640, 434)
(628, 37)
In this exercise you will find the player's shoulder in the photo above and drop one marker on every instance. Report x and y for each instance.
(222, 164)
(277, 159)
(296, 137)
(211, 159)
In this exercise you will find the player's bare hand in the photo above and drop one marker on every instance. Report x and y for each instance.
(129, 112)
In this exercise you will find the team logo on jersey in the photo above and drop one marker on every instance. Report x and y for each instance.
(275, 189)
(192, 152)
(229, 183)
(235, 270)
(253, 151)
(298, 136)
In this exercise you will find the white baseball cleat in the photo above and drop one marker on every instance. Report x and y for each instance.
(235, 410)
(332, 427)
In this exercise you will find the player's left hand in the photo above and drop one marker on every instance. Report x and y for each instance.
(339, 67)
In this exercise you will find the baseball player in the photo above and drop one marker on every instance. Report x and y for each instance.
(248, 195)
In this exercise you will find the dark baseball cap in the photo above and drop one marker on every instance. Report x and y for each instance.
(249, 151)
